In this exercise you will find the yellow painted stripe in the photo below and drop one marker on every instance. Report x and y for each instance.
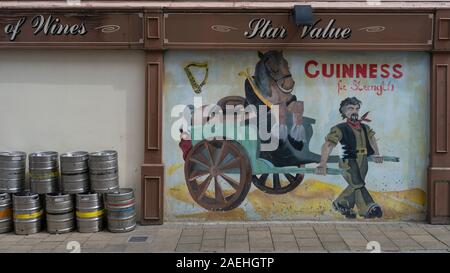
(90, 214)
(44, 175)
(28, 215)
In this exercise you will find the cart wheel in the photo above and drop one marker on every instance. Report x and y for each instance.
(277, 187)
(218, 174)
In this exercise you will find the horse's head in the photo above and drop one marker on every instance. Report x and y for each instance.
(273, 67)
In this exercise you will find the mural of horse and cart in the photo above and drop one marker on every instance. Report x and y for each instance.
(221, 166)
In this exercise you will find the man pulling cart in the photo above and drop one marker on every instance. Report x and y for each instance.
(360, 146)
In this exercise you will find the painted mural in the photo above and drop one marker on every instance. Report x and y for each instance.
(273, 135)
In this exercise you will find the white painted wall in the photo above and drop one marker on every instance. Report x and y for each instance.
(65, 100)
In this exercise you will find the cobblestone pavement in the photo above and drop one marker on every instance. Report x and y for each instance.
(243, 237)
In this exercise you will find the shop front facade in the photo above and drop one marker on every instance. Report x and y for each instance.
(184, 94)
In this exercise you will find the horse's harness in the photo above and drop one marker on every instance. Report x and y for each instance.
(276, 78)
(257, 91)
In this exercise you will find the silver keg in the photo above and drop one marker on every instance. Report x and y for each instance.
(44, 172)
(6, 222)
(60, 215)
(75, 172)
(90, 212)
(27, 213)
(121, 210)
(12, 171)
(104, 171)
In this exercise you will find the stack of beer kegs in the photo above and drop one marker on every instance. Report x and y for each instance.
(87, 197)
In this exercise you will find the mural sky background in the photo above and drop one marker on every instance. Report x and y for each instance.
(399, 118)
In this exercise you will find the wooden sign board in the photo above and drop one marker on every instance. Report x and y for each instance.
(76, 30)
(329, 31)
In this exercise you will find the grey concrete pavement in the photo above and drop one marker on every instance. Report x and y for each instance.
(242, 237)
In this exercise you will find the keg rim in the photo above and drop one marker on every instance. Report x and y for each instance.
(74, 154)
(57, 194)
(25, 193)
(8, 154)
(4, 196)
(43, 154)
(103, 153)
(120, 192)
(84, 194)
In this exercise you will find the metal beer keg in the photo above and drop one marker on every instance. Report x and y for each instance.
(12, 171)
(90, 212)
(104, 171)
(27, 213)
(121, 210)
(60, 213)
(6, 222)
(44, 172)
(75, 172)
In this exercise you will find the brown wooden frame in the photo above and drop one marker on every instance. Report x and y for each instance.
(438, 180)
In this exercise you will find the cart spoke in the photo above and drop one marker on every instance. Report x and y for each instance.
(218, 191)
(197, 173)
(204, 186)
(263, 178)
(290, 177)
(233, 164)
(230, 181)
(276, 181)
(210, 153)
(201, 160)
(223, 151)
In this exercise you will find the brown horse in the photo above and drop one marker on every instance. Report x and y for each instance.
(274, 86)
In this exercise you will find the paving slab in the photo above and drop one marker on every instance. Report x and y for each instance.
(304, 233)
(308, 242)
(188, 248)
(214, 233)
(237, 246)
(192, 232)
(166, 240)
(325, 230)
(237, 238)
(45, 246)
(236, 231)
(429, 242)
(335, 246)
(330, 237)
(313, 249)
(286, 246)
(190, 239)
(283, 238)
(281, 230)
